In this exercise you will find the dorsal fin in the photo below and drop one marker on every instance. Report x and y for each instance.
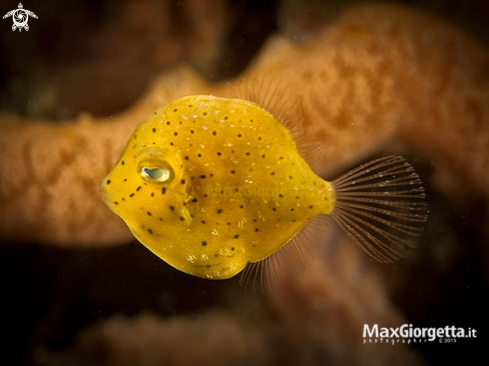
(284, 104)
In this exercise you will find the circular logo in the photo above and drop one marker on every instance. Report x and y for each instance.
(20, 17)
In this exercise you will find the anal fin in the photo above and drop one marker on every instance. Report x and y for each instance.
(291, 258)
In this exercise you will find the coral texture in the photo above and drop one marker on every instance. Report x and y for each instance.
(314, 318)
(363, 84)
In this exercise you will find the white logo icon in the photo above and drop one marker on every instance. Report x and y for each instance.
(20, 17)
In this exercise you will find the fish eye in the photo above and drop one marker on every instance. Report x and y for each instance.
(156, 174)
(153, 167)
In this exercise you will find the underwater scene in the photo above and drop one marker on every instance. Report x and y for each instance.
(220, 182)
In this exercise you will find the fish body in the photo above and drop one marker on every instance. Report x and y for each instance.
(211, 184)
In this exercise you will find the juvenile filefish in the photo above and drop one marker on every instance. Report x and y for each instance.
(212, 184)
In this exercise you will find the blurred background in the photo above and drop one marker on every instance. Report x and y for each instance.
(100, 57)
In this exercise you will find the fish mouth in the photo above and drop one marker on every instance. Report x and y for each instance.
(102, 191)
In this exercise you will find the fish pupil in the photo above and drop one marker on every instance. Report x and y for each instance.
(156, 174)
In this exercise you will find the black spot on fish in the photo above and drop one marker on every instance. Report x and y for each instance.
(219, 211)
(138, 188)
(175, 133)
(150, 231)
(116, 203)
(182, 181)
(256, 230)
(149, 213)
(122, 162)
(204, 243)
(163, 190)
(154, 129)
(131, 195)
(172, 208)
(108, 181)
(218, 153)
(236, 236)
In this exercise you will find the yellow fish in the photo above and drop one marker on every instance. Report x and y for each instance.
(211, 184)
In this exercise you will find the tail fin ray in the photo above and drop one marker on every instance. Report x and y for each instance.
(381, 206)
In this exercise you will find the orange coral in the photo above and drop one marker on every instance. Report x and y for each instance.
(315, 318)
(363, 83)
